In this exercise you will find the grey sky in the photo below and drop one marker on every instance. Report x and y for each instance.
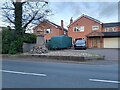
(103, 11)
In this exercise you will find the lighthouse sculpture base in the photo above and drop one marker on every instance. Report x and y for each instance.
(40, 47)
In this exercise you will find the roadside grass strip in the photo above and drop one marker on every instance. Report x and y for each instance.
(106, 81)
(23, 73)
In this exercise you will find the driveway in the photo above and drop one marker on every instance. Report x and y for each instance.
(110, 54)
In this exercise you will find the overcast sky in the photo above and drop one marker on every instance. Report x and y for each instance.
(104, 11)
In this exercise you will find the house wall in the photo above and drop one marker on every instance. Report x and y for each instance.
(87, 23)
(55, 31)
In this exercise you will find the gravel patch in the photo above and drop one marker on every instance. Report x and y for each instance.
(70, 53)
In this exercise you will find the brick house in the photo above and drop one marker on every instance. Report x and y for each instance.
(49, 29)
(96, 33)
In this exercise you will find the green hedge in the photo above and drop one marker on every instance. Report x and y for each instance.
(12, 44)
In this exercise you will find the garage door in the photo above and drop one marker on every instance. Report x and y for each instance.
(111, 42)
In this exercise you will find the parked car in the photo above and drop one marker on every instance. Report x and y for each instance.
(80, 44)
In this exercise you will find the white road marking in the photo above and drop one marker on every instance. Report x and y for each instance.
(25, 73)
(107, 81)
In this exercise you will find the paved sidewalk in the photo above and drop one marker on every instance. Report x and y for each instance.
(78, 55)
(110, 54)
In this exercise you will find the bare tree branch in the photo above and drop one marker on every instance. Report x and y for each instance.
(13, 2)
(8, 8)
(33, 12)
(30, 20)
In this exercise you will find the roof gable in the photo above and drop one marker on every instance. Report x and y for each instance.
(103, 34)
(112, 34)
(86, 17)
(95, 33)
(53, 24)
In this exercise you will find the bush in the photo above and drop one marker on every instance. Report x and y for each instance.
(12, 45)
(13, 48)
(6, 40)
(16, 46)
(29, 38)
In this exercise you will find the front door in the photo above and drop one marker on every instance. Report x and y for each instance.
(96, 42)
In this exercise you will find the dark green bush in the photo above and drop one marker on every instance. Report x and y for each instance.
(16, 46)
(29, 38)
(12, 48)
(6, 40)
(12, 44)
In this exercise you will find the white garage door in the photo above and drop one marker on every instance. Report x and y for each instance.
(111, 42)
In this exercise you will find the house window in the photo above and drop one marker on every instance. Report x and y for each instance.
(76, 29)
(111, 29)
(48, 31)
(79, 29)
(106, 29)
(95, 27)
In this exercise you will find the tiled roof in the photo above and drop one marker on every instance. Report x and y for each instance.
(111, 24)
(86, 17)
(57, 26)
(111, 34)
(103, 34)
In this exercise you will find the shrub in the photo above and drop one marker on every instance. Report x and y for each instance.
(6, 40)
(12, 44)
(29, 38)
(13, 48)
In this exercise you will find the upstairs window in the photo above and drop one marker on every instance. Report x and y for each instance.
(110, 29)
(78, 29)
(81, 29)
(48, 31)
(95, 27)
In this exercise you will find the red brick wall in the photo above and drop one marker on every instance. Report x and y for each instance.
(87, 23)
(55, 31)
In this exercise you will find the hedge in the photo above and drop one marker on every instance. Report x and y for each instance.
(12, 44)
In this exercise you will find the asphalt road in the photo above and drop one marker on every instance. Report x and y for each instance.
(31, 74)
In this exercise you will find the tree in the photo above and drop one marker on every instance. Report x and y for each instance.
(23, 14)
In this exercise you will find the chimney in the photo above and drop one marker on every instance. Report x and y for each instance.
(71, 20)
(62, 26)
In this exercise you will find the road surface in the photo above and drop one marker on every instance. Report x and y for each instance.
(31, 74)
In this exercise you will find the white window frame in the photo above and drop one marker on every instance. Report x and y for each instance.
(107, 29)
(75, 28)
(49, 30)
(81, 28)
(110, 29)
(94, 27)
(113, 29)
(78, 29)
